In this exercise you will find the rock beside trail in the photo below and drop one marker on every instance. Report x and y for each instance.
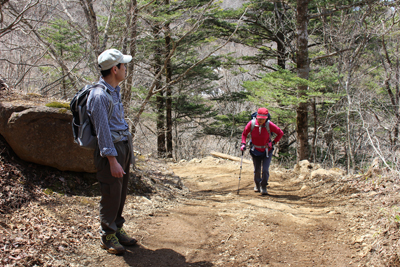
(325, 174)
(43, 135)
(304, 169)
(307, 170)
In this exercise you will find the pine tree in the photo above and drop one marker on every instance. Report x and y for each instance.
(158, 44)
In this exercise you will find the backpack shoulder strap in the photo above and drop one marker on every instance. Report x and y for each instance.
(253, 124)
(267, 126)
(107, 92)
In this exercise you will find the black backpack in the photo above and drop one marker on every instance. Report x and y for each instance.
(82, 127)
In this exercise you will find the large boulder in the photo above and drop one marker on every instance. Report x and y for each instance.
(43, 135)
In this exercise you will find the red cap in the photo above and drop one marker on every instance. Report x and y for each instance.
(262, 113)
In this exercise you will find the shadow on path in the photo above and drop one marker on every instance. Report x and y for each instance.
(139, 256)
(288, 197)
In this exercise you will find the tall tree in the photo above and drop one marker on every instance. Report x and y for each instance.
(131, 26)
(303, 70)
(168, 79)
(181, 61)
(91, 19)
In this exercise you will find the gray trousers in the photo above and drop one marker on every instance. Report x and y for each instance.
(263, 162)
(113, 190)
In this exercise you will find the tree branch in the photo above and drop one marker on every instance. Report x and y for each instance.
(330, 55)
(107, 27)
(329, 12)
(18, 18)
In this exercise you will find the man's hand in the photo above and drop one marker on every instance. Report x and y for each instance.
(115, 167)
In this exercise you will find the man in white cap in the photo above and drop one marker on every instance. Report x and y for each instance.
(113, 154)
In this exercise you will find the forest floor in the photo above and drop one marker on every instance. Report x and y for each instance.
(190, 214)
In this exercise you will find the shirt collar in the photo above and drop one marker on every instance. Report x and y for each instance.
(109, 87)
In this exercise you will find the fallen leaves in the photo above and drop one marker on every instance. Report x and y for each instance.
(41, 229)
(37, 228)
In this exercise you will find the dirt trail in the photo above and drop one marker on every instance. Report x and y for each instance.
(298, 224)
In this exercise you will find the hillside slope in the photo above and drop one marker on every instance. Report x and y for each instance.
(189, 214)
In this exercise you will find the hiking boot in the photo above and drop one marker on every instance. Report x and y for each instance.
(264, 190)
(111, 244)
(124, 238)
(257, 188)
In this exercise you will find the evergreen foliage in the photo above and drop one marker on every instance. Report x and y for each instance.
(350, 97)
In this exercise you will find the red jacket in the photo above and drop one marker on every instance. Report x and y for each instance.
(263, 138)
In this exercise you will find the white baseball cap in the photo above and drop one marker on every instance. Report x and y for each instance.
(111, 58)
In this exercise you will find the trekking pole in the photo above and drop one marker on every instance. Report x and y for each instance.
(240, 173)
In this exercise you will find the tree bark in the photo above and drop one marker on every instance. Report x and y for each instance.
(350, 156)
(314, 140)
(160, 100)
(168, 78)
(394, 98)
(303, 70)
(127, 90)
(91, 19)
(107, 27)
(397, 111)
(280, 37)
(281, 62)
(161, 151)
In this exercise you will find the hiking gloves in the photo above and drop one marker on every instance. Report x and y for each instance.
(243, 147)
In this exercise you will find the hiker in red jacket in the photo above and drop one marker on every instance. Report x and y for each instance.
(261, 129)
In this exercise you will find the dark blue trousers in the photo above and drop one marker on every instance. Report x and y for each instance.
(264, 162)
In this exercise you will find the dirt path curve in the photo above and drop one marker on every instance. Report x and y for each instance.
(296, 225)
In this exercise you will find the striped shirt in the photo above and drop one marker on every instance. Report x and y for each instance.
(98, 106)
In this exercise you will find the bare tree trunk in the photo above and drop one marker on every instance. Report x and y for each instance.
(303, 70)
(168, 78)
(107, 28)
(91, 19)
(160, 100)
(64, 82)
(281, 61)
(160, 124)
(314, 140)
(127, 90)
(397, 111)
(350, 156)
(2, 3)
(280, 37)
(394, 99)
